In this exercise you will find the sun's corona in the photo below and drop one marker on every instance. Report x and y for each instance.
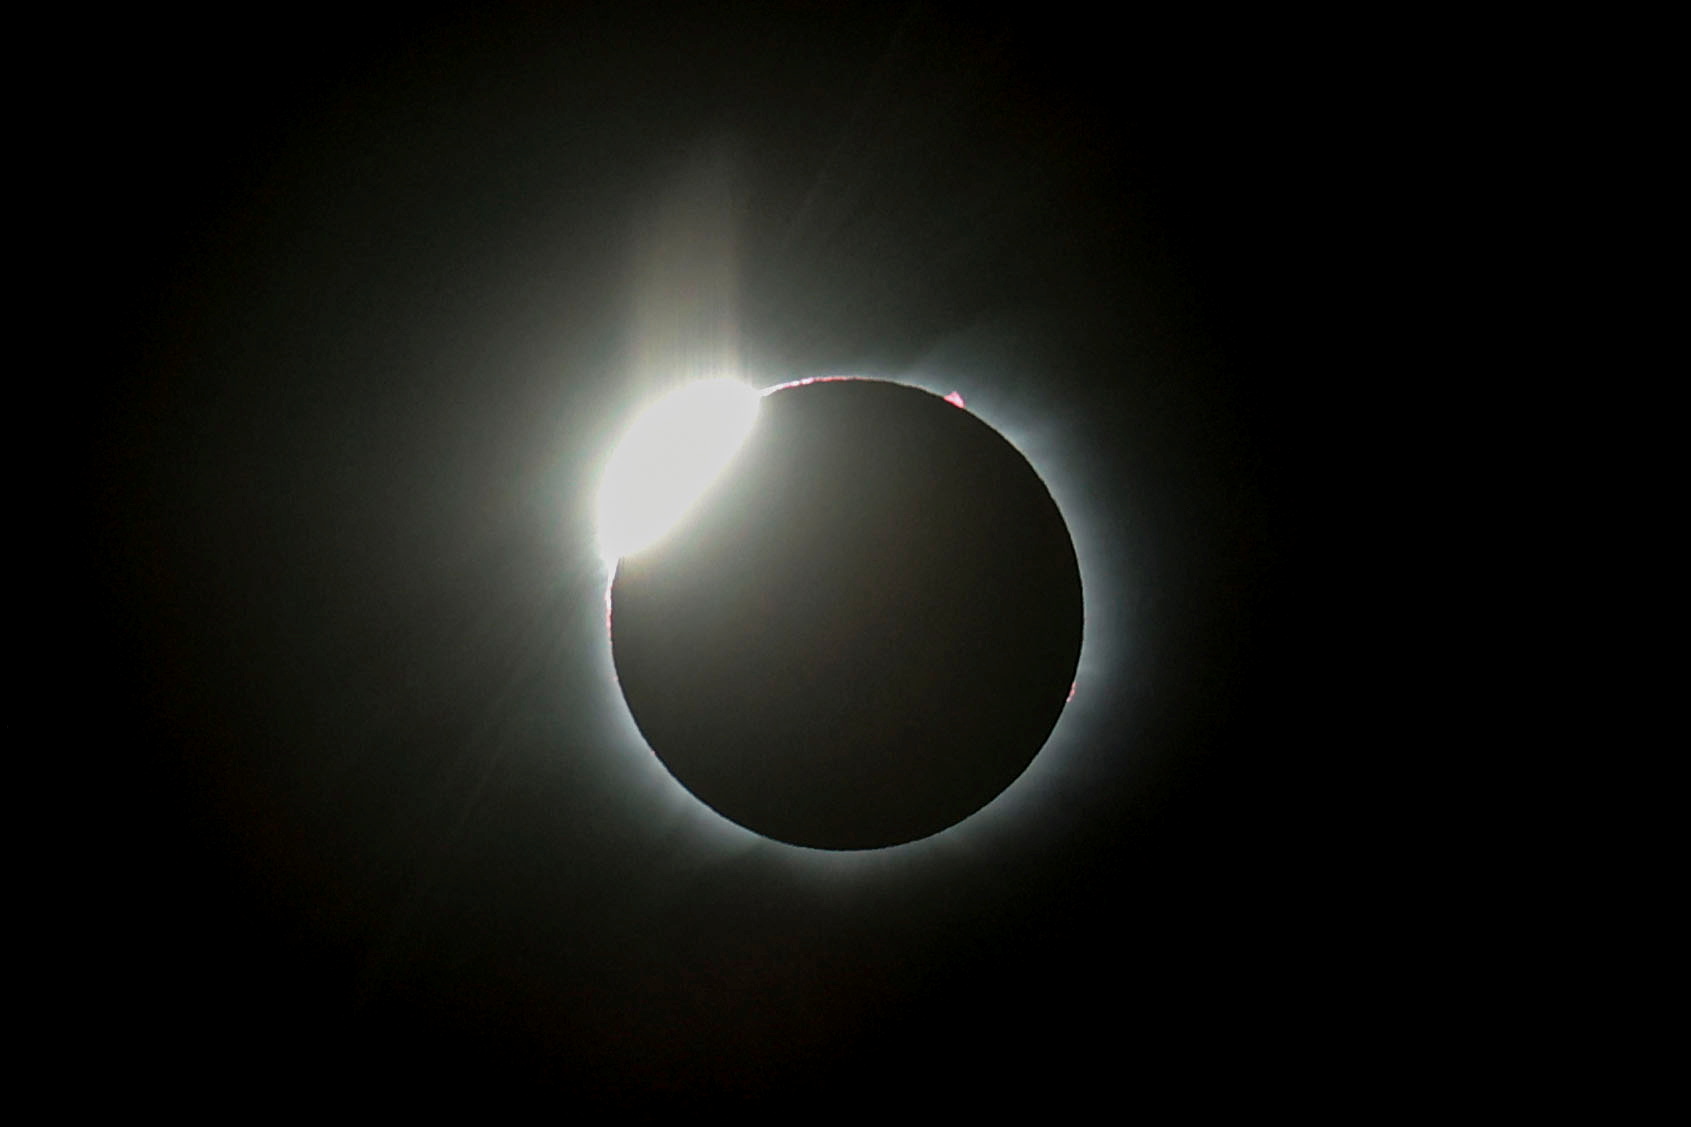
(669, 458)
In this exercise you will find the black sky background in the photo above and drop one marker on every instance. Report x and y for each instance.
(369, 284)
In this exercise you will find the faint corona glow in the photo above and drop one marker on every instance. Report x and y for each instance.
(668, 459)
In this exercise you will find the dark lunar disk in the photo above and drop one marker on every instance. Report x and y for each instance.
(867, 629)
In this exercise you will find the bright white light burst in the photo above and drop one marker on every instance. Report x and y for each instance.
(669, 458)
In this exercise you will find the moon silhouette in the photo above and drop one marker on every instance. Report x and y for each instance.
(866, 628)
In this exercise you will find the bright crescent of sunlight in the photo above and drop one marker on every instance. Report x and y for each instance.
(668, 459)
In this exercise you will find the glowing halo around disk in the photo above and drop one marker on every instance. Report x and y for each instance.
(668, 459)
(1052, 438)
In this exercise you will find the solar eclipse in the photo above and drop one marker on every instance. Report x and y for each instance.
(863, 628)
